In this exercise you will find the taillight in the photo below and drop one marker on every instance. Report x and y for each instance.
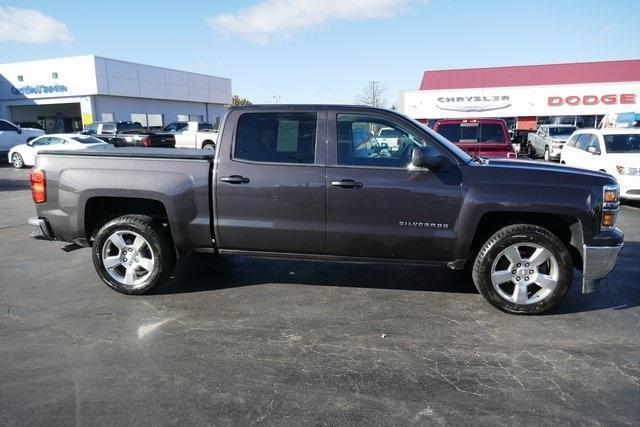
(38, 186)
(146, 141)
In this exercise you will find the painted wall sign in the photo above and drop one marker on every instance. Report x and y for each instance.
(473, 103)
(623, 98)
(38, 89)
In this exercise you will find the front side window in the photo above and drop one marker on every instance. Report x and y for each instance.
(276, 137)
(593, 142)
(583, 140)
(91, 129)
(41, 141)
(572, 141)
(361, 142)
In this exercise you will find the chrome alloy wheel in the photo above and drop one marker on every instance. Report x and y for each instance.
(525, 273)
(128, 258)
(16, 160)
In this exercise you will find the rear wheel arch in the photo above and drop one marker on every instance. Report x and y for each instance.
(100, 209)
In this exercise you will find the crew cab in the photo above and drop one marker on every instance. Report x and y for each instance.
(193, 135)
(548, 141)
(294, 181)
(129, 134)
(478, 137)
(12, 135)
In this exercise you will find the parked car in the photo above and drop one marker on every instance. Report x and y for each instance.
(478, 137)
(25, 154)
(129, 134)
(12, 135)
(289, 181)
(193, 135)
(615, 151)
(390, 137)
(548, 140)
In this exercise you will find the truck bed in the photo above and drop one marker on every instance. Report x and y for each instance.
(177, 181)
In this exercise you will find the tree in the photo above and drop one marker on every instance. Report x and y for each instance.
(373, 95)
(236, 101)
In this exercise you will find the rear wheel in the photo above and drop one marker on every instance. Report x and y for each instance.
(523, 269)
(17, 161)
(208, 145)
(132, 254)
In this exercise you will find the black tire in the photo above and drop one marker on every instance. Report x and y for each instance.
(159, 247)
(522, 234)
(532, 152)
(208, 145)
(17, 161)
(547, 154)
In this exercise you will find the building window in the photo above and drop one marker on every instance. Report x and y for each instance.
(148, 120)
(54, 75)
(108, 117)
(20, 78)
(183, 118)
(195, 118)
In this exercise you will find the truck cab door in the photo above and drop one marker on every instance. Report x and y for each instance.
(377, 206)
(270, 181)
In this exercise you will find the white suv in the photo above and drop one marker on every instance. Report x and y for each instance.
(615, 151)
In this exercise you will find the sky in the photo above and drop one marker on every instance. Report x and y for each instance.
(322, 51)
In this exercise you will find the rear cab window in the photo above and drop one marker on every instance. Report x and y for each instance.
(472, 132)
(276, 137)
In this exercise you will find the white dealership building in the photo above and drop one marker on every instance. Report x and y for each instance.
(526, 96)
(63, 94)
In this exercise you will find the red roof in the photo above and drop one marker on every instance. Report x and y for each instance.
(533, 75)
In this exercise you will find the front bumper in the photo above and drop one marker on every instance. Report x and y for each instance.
(42, 229)
(598, 262)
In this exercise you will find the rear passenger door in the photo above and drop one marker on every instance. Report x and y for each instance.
(376, 206)
(270, 181)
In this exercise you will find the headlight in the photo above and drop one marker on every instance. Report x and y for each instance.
(556, 146)
(627, 170)
(610, 202)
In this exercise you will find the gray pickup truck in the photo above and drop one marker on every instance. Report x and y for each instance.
(300, 181)
(548, 140)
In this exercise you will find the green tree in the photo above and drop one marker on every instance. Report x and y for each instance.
(237, 100)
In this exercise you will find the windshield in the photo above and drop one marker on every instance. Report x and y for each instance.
(389, 133)
(487, 133)
(87, 140)
(629, 143)
(91, 129)
(562, 131)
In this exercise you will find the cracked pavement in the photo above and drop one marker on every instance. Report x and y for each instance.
(251, 341)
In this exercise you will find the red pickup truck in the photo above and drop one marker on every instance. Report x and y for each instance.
(478, 137)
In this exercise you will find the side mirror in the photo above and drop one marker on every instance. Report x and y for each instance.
(593, 150)
(19, 129)
(427, 157)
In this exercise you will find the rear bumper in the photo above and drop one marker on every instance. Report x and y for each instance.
(598, 262)
(42, 229)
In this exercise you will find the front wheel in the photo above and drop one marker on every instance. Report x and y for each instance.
(523, 269)
(133, 253)
(17, 161)
(547, 155)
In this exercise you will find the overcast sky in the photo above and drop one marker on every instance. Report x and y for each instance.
(322, 50)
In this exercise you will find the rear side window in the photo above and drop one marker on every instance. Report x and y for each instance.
(276, 137)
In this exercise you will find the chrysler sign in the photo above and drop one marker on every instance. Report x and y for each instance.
(473, 103)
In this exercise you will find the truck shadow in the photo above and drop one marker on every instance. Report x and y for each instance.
(203, 272)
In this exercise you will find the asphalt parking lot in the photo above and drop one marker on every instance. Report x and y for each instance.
(249, 341)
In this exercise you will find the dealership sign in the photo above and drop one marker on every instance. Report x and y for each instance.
(38, 89)
(613, 99)
(473, 103)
